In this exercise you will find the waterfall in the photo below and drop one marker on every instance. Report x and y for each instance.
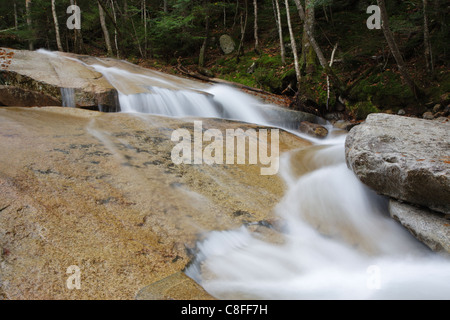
(338, 243)
(337, 239)
(68, 97)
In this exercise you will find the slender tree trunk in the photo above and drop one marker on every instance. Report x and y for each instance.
(16, 24)
(105, 30)
(395, 51)
(301, 11)
(136, 38)
(55, 20)
(277, 12)
(240, 51)
(28, 11)
(116, 42)
(293, 44)
(426, 40)
(165, 6)
(202, 57)
(144, 16)
(255, 8)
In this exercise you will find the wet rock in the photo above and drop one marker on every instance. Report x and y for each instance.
(404, 158)
(227, 44)
(429, 227)
(313, 129)
(175, 287)
(344, 125)
(100, 191)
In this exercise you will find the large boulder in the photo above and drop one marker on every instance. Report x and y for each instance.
(100, 191)
(227, 44)
(404, 158)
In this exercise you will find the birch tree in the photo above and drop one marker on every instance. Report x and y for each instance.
(55, 20)
(105, 29)
(277, 13)
(293, 44)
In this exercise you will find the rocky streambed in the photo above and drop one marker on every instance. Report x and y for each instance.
(100, 191)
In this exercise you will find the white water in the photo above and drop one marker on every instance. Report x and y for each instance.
(338, 241)
(338, 244)
(68, 97)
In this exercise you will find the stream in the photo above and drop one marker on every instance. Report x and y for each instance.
(335, 239)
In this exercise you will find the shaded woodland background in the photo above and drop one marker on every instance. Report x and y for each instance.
(317, 53)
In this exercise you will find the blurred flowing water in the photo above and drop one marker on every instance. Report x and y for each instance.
(337, 239)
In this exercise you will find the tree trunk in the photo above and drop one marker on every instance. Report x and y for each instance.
(255, 8)
(426, 40)
(144, 17)
(16, 24)
(165, 7)
(202, 57)
(301, 12)
(116, 42)
(277, 12)
(395, 51)
(293, 44)
(337, 83)
(78, 38)
(240, 51)
(28, 11)
(105, 30)
(308, 59)
(55, 20)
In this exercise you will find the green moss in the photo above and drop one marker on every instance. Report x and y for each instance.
(361, 110)
(385, 89)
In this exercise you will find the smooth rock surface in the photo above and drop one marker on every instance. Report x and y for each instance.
(404, 158)
(100, 191)
(429, 227)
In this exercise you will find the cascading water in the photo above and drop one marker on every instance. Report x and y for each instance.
(68, 97)
(337, 243)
